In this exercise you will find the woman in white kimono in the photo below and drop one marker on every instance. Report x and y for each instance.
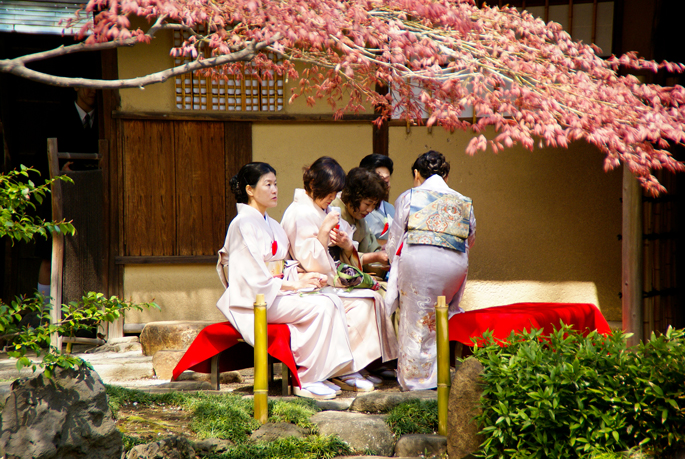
(312, 227)
(253, 254)
(380, 219)
(428, 247)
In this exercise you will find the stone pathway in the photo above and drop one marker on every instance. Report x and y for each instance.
(354, 417)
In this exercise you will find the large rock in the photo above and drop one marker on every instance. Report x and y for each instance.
(421, 445)
(464, 405)
(168, 448)
(227, 377)
(175, 335)
(381, 402)
(64, 417)
(273, 431)
(125, 344)
(363, 432)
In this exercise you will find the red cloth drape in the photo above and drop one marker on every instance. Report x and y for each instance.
(216, 338)
(502, 320)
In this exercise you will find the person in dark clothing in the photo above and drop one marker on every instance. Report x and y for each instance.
(76, 129)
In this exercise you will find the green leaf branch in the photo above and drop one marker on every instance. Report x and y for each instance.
(24, 340)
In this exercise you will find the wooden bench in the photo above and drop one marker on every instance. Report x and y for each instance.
(219, 347)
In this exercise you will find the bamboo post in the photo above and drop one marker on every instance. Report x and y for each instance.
(443, 344)
(261, 379)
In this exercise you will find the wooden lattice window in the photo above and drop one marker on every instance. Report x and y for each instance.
(241, 93)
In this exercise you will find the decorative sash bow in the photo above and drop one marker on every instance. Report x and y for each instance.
(439, 219)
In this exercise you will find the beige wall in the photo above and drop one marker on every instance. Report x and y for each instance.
(160, 98)
(547, 220)
(291, 147)
(183, 292)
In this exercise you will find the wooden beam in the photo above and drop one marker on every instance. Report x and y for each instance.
(165, 260)
(233, 117)
(631, 245)
(57, 244)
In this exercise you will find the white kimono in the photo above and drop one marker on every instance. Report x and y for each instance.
(419, 274)
(318, 328)
(370, 329)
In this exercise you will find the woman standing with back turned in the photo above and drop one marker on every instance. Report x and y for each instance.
(428, 247)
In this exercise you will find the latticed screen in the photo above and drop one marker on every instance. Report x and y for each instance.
(242, 93)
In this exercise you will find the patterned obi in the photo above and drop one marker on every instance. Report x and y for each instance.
(439, 219)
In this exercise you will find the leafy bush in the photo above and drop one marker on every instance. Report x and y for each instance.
(415, 417)
(570, 395)
(93, 309)
(17, 193)
(17, 196)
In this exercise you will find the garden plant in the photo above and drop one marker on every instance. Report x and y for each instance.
(570, 395)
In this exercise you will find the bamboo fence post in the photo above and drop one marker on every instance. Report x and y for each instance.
(443, 344)
(57, 245)
(261, 380)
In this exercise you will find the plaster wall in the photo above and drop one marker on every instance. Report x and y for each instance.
(143, 59)
(183, 292)
(547, 221)
(291, 147)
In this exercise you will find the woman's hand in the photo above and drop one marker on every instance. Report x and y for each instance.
(341, 239)
(329, 223)
(307, 280)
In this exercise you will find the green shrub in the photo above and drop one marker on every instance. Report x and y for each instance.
(572, 395)
(414, 416)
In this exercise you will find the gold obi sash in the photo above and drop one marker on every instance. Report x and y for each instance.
(439, 219)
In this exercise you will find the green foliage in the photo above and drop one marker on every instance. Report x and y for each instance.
(23, 339)
(571, 395)
(17, 196)
(119, 397)
(296, 411)
(313, 447)
(230, 416)
(226, 417)
(414, 416)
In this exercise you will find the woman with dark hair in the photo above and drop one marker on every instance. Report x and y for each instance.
(364, 190)
(312, 227)
(428, 247)
(253, 254)
(380, 219)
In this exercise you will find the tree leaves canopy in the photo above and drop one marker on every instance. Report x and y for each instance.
(440, 58)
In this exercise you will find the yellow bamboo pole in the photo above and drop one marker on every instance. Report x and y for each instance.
(261, 379)
(443, 344)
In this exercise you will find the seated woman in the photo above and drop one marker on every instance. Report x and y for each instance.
(428, 247)
(310, 224)
(253, 254)
(380, 219)
(363, 191)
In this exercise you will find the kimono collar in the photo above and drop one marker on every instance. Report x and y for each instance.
(302, 197)
(434, 182)
(247, 209)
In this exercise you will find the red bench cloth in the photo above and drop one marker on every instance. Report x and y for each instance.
(502, 320)
(216, 338)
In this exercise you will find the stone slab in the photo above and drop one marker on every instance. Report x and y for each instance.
(174, 335)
